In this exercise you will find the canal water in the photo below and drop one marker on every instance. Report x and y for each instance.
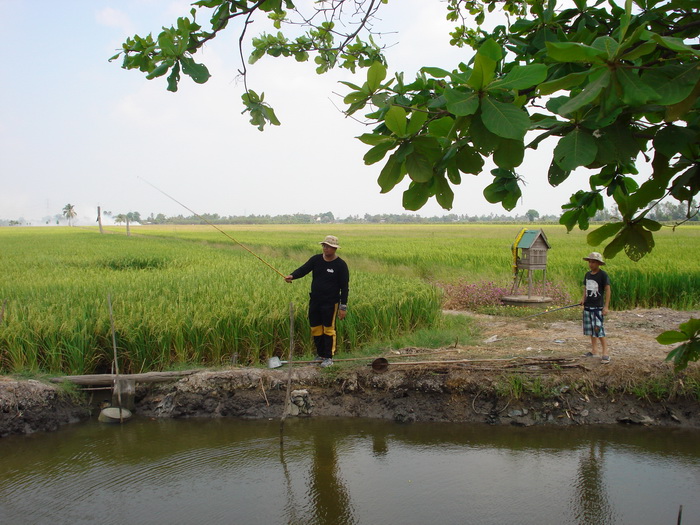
(348, 471)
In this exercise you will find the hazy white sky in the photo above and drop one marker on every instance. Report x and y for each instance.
(77, 129)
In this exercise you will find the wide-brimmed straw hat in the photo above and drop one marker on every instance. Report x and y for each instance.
(594, 256)
(331, 240)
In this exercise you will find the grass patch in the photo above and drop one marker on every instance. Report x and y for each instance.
(449, 330)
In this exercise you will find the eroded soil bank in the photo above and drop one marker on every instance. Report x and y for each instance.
(520, 373)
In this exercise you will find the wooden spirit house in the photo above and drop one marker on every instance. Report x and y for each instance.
(529, 255)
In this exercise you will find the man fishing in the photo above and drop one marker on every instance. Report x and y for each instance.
(328, 298)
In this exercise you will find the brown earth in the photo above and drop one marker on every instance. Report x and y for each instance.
(520, 372)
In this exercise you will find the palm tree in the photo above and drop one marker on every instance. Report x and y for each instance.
(69, 213)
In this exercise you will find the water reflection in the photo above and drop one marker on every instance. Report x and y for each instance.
(348, 471)
(590, 502)
(330, 500)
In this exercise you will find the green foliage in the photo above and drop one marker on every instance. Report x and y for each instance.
(607, 83)
(689, 335)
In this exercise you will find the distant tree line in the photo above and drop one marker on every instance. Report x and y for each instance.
(668, 212)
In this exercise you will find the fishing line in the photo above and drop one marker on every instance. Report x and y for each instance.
(215, 227)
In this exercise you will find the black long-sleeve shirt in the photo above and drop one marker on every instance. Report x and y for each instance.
(330, 279)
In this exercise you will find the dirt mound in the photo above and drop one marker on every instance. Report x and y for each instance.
(30, 406)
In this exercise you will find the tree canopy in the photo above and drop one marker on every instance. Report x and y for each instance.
(609, 84)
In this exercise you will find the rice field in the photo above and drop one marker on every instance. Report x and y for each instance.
(186, 296)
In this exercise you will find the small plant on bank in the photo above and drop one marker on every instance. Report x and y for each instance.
(689, 335)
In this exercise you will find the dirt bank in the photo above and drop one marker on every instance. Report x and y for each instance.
(28, 406)
(521, 372)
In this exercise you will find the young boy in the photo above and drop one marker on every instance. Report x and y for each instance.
(596, 298)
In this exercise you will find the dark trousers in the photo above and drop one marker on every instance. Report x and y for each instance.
(322, 317)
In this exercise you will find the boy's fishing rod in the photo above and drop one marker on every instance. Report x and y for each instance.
(550, 311)
(215, 227)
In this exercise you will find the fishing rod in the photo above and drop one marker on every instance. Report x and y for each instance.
(215, 227)
(550, 311)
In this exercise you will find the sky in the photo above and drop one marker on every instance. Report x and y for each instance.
(77, 129)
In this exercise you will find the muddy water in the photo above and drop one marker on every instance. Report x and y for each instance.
(348, 471)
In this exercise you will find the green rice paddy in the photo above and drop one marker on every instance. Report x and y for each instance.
(186, 296)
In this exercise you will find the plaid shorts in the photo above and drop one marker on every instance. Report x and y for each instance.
(593, 322)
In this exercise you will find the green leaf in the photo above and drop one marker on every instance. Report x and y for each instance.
(461, 102)
(372, 139)
(574, 52)
(556, 175)
(616, 144)
(691, 327)
(683, 354)
(650, 225)
(160, 70)
(601, 79)
(415, 197)
(597, 236)
(435, 72)
(484, 141)
(375, 75)
(634, 91)
(672, 139)
(167, 46)
(639, 51)
(504, 189)
(607, 45)
(494, 193)
(468, 160)
(505, 120)
(444, 194)
(441, 127)
(269, 114)
(671, 337)
(419, 167)
(566, 82)
(485, 62)
(638, 241)
(521, 77)
(197, 72)
(355, 97)
(673, 83)
(174, 78)
(614, 247)
(509, 153)
(395, 120)
(672, 43)
(391, 174)
(418, 118)
(578, 148)
(378, 152)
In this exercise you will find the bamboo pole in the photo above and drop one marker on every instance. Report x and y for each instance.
(287, 401)
(108, 379)
(116, 363)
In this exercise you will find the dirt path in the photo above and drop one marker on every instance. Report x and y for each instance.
(631, 336)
